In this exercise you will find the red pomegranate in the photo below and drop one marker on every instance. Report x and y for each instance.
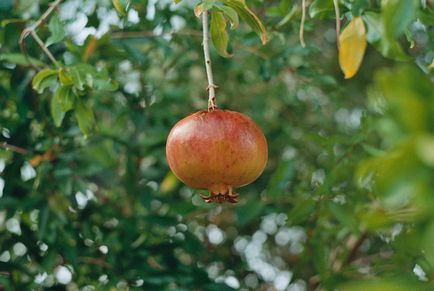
(218, 150)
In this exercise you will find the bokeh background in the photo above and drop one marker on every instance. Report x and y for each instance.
(345, 201)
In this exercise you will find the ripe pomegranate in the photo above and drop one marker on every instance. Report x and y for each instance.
(218, 150)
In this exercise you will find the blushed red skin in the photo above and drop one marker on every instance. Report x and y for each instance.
(217, 150)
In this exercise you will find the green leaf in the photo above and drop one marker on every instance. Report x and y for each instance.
(56, 110)
(287, 17)
(406, 90)
(65, 97)
(301, 211)
(397, 15)
(65, 78)
(48, 82)
(84, 75)
(85, 117)
(219, 34)
(38, 83)
(78, 80)
(230, 13)
(321, 253)
(343, 216)
(426, 17)
(358, 6)
(375, 35)
(121, 6)
(20, 59)
(321, 8)
(249, 17)
(55, 26)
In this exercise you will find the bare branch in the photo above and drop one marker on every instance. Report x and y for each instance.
(211, 86)
(95, 261)
(14, 148)
(45, 49)
(32, 30)
(356, 247)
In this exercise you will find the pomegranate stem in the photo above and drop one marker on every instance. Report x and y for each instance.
(211, 86)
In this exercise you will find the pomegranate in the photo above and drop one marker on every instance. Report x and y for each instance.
(218, 150)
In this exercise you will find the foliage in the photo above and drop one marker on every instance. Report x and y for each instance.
(87, 199)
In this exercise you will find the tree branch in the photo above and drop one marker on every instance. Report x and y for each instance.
(211, 86)
(95, 261)
(32, 30)
(45, 49)
(14, 148)
(356, 247)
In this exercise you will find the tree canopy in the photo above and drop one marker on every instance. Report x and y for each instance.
(342, 89)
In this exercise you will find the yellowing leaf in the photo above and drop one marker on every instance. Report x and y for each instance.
(64, 78)
(199, 9)
(169, 183)
(352, 46)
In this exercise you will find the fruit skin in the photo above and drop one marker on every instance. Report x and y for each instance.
(217, 150)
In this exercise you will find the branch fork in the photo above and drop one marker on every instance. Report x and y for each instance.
(31, 30)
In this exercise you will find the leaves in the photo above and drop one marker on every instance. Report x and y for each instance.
(389, 48)
(85, 117)
(109, 211)
(352, 46)
(321, 8)
(56, 110)
(55, 26)
(44, 79)
(249, 17)
(66, 98)
(122, 6)
(230, 13)
(358, 6)
(397, 15)
(19, 59)
(219, 34)
(64, 78)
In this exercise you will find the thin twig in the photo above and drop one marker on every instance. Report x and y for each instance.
(338, 21)
(95, 261)
(32, 30)
(45, 49)
(356, 248)
(211, 86)
(13, 148)
(303, 18)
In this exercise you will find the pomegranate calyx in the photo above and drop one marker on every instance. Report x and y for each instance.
(220, 198)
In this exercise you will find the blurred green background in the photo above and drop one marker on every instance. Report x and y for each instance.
(87, 201)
